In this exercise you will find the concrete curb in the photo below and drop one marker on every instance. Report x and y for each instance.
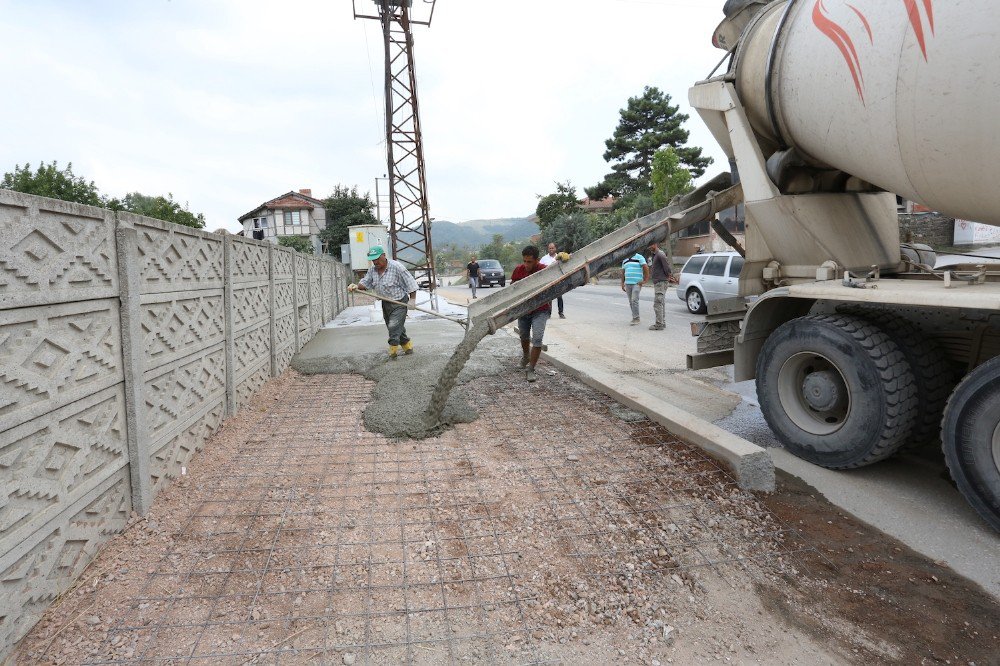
(750, 464)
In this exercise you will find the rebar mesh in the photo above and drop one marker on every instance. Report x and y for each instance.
(321, 541)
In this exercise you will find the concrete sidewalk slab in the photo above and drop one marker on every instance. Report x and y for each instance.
(750, 464)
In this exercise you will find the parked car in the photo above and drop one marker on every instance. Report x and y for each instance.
(491, 273)
(709, 277)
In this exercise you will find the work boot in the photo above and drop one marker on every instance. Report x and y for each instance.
(393, 351)
(657, 327)
(530, 375)
(408, 347)
(524, 361)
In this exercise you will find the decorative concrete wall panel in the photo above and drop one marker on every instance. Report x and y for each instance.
(177, 325)
(250, 384)
(54, 251)
(284, 326)
(284, 357)
(283, 296)
(252, 349)
(176, 258)
(282, 264)
(251, 305)
(50, 462)
(173, 393)
(169, 458)
(249, 261)
(36, 571)
(53, 355)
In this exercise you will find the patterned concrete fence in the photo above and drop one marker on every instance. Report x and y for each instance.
(124, 344)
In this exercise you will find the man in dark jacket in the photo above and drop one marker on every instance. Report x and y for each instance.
(660, 275)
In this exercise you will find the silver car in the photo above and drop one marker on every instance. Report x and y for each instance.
(709, 277)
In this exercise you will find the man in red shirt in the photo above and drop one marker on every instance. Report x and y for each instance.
(531, 325)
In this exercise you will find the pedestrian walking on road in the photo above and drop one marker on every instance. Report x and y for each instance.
(660, 273)
(635, 273)
(531, 326)
(390, 279)
(472, 270)
(546, 261)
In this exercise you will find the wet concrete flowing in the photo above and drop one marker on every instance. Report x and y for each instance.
(446, 382)
(414, 396)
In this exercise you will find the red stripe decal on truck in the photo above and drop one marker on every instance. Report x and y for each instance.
(843, 41)
(917, 21)
(864, 21)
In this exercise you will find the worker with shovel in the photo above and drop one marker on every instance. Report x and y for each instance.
(389, 279)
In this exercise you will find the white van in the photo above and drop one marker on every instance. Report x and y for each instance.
(709, 277)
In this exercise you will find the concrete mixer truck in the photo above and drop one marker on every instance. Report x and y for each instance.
(831, 108)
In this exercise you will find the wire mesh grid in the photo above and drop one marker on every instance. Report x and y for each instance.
(323, 543)
(625, 495)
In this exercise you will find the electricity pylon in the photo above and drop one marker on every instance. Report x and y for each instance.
(409, 216)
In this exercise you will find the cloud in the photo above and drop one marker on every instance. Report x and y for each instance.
(227, 103)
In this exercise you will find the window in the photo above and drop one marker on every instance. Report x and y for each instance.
(694, 265)
(716, 266)
(700, 229)
(292, 217)
(736, 267)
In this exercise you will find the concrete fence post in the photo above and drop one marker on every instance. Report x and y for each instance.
(137, 436)
(309, 293)
(272, 307)
(227, 304)
(295, 298)
(323, 314)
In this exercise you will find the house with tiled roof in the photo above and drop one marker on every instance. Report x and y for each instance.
(290, 214)
(600, 207)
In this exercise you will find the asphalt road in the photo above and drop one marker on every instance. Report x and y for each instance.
(909, 496)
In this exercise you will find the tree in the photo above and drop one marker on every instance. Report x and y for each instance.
(551, 206)
(669, 177)
(161, 208)
(297, 243)
(49, 181)
(648, 123)
(345, 208)
(572, 231)
(508, 254)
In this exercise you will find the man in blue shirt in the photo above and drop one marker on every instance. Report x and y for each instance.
(390, 279)
(635, 273)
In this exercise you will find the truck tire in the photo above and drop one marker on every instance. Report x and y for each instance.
(695, 302)
(836, 390)
(933, 373)
(970, 436)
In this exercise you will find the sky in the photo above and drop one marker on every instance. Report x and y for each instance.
(229, 103)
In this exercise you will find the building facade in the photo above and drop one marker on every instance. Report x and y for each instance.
(291, 214)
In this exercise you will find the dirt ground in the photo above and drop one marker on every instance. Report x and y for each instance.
(557, 528)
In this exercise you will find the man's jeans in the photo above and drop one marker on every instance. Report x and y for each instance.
(473, 283)
(632, 291)
(395, 321)
(660, 289)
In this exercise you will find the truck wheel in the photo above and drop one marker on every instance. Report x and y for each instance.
(970, 435)
(933, 373)
(696, 302)
(836, 390)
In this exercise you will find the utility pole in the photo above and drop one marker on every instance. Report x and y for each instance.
(409, 216)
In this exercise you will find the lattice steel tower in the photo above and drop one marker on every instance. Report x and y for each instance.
(409, 217)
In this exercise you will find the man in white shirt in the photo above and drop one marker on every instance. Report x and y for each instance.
(548, 260)
(390, 279)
